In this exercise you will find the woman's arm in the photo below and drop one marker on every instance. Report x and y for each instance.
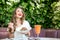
(10, 27)
(10, 30)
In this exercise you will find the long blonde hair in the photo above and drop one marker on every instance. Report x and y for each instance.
(13, 19)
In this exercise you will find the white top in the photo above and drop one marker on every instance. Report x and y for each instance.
(18, 32)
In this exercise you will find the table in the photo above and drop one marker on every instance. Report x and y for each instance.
(33, 38)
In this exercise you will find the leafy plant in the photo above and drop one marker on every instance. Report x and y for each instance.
(42, 12)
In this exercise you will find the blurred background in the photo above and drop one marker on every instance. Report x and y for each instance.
(42, 12)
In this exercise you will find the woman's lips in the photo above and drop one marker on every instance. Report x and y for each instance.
(19, 14)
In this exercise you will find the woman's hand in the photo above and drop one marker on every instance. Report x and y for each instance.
(28, 34)
(10, 27)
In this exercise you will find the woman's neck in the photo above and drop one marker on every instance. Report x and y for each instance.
(18, 20)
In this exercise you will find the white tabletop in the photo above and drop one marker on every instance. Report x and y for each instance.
(43, 38)
(49, 39)
(33, 38)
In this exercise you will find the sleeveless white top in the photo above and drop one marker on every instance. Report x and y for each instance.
(18, 33)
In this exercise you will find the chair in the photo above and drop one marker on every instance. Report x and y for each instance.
(32, 32)
(58, 33)
(3, 33)
(42, 33)
(51, 33)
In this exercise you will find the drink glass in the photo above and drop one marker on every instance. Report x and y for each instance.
(37, 29)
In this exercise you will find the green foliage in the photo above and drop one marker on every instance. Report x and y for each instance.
(42, 12)
(56, 17)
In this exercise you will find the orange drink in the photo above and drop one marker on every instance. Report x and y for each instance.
(37, 29)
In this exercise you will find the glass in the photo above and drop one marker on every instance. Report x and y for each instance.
(37, 29)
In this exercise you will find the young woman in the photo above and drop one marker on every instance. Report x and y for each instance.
(18, 26)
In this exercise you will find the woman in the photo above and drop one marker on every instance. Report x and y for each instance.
(18, 25)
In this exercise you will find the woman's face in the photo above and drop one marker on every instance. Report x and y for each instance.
(19, 13)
